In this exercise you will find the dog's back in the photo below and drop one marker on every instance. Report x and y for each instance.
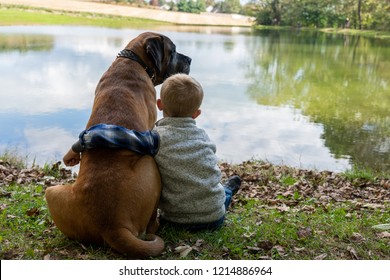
(117, 191)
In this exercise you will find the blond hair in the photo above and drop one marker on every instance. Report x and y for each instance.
(181, 95)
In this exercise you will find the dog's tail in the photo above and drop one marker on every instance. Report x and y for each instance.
(123, 241)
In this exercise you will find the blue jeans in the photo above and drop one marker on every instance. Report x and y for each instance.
(207, 226)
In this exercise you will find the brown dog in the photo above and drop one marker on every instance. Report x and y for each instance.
(114, 199)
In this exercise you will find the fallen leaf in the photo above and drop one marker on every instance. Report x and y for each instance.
(299, 249)
(32, 212)
(373, 206)
(384, 234)
(280, 250)
(9, 255)
(304, 233)
(357, 238)
(353, 253)
(253, 249)
(283, 208)
(83, 246)
(321, 257)
(309, 209)
(264, 258)
(382, 227)
(265, 245)
(183, 250)
(199, 242)
(248, 236)
(2, 207)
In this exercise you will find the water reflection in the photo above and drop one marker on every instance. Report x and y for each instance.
(337, 81)
(25, 42)
(313, 107)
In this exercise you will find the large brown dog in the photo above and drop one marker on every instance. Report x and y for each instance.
(114, 199)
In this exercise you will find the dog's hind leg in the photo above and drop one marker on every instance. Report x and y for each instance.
(62, 206)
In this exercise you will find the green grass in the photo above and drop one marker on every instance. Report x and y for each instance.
(365, 33)
(12, 156)
(255, 233)
(277, 215)
(19, 15)
(361, 173)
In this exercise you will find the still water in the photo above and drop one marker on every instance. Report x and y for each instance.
(308, 100)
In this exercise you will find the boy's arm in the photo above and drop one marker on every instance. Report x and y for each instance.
(73, 156)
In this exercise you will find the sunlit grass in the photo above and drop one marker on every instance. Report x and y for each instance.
(18, 15)
(14, 158)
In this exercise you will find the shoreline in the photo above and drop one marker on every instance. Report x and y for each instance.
(109, 10)
(179, 18)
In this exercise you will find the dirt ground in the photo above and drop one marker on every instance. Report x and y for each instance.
(125, 10)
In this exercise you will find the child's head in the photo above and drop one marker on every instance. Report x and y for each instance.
(180, 96)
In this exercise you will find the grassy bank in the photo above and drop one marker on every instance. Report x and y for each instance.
(279, 213)
(20, 15)
(354, 32)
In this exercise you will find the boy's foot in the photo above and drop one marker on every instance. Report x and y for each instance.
(233, 184)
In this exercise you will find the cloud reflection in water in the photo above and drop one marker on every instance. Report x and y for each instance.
(50, 94)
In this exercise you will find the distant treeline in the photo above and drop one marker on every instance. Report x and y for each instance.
(356, 14)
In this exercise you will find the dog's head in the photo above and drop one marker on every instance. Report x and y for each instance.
(158, 52)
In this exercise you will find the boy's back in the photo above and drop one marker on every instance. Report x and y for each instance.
(191, 191)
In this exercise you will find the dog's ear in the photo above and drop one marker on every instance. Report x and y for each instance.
(155, 49)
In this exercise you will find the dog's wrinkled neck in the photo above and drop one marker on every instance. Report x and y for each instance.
(131, 55)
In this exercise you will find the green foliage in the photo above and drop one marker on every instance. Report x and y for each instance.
(360, 172)
(13, 157)
(191, 6)
(373, 14)
(229, 6)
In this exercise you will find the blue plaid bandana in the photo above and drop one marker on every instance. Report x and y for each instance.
(113, 136)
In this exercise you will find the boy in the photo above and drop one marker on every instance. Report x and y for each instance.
(192, 196)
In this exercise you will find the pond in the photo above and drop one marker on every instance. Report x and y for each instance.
(309, 100)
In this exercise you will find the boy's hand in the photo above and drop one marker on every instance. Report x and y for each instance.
(71, 158)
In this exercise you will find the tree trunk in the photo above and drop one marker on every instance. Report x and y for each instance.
(359, 14)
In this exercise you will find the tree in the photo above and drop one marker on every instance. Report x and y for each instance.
(269, 12)
(359, 13)
(191, 6)
(251, 8)
(230, 6)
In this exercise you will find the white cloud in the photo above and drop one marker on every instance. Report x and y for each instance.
(280, 135)
(48, 144)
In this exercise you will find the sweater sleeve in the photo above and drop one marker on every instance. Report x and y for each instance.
(78, 147)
